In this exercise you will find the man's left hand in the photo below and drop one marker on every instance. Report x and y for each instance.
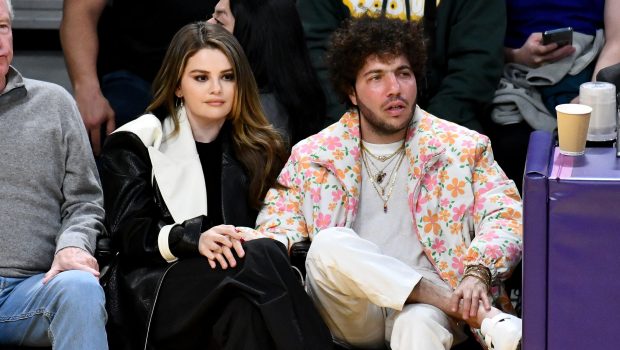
(471, 290)
(72, 258)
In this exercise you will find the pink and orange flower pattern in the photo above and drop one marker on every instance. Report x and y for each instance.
(465, 211)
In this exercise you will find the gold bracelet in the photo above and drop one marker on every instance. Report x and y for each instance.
(481, 279)
(480, 272)
(478, 276)
(480, 269)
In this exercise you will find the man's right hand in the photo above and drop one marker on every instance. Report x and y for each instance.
(72, 258)
(96, 112)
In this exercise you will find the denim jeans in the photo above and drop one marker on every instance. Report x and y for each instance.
(67, 313)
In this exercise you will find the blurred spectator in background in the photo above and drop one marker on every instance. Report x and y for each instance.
(271, 35)
(113, 50)
(465, 50)
(538, 77)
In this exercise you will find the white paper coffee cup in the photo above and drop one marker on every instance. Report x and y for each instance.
(573, 120)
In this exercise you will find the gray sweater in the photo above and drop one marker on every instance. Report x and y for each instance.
(50, 196)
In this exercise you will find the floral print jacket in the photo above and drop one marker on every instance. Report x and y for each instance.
(465, 210)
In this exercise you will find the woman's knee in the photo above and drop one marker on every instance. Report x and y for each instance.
(267, 246)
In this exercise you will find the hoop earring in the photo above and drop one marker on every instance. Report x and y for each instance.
(178, 103)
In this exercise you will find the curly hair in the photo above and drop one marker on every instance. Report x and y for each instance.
(366, 36)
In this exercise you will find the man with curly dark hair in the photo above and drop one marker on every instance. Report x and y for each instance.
(413, 225)
(465, 50)
(383, 39)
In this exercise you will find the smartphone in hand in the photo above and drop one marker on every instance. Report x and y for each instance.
(560, 36)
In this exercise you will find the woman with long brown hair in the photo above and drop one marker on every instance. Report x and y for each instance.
(182, 186)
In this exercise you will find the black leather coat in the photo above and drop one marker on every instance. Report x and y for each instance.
(135, 213)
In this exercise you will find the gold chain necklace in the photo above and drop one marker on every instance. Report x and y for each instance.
(383, 158)
(380, 173)
(381, 193)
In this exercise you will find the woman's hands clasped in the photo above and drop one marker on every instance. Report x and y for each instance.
(217, 245)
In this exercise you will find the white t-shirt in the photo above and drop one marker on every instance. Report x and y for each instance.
(393, 230)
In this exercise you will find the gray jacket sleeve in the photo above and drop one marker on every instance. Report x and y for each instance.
(82, 209)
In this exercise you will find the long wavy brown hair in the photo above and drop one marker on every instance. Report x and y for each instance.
(257, 145)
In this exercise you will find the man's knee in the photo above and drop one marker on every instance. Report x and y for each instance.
(422, 319)
(78, 288)
(421, 326)
(329, 243)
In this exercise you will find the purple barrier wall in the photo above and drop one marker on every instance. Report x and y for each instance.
(535, 194)
(571, 237)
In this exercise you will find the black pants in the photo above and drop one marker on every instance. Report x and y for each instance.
(259, 304)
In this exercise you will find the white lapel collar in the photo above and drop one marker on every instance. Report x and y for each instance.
(147, 128)
(178, 171)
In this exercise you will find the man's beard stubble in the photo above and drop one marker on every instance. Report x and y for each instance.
(379, 126)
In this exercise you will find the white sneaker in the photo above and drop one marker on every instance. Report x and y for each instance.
(502, 332)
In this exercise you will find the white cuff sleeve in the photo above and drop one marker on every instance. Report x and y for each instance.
(162, 243)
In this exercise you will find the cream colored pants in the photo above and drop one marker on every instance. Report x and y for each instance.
(361, 295)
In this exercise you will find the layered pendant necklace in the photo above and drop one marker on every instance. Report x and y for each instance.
(380, 175)
(377, 178)
(382, 157)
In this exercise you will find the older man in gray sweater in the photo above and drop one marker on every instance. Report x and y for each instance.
(50, 214)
